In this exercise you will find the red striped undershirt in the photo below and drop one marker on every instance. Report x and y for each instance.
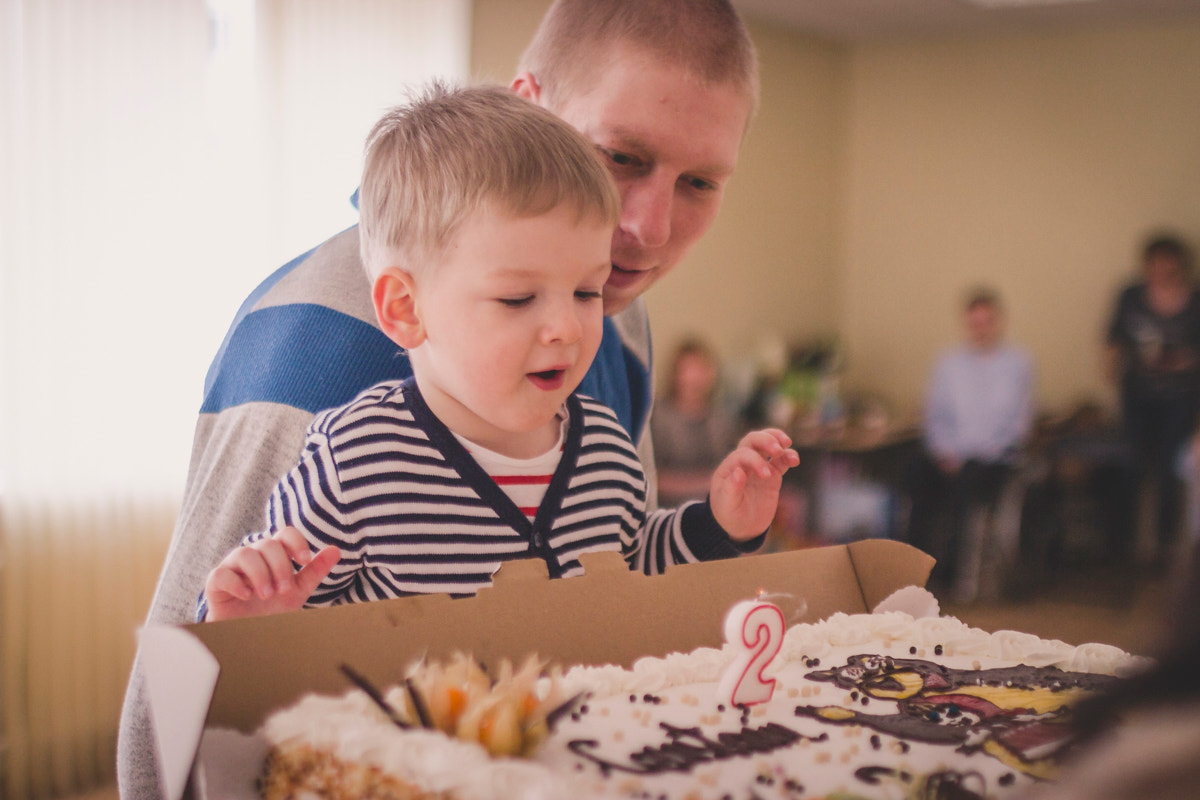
(524, 480)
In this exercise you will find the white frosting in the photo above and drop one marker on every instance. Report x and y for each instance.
(820, 639)
(353, 729)
(916, 601)
(625, 707)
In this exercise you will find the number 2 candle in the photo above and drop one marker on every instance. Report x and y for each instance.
(755, 629)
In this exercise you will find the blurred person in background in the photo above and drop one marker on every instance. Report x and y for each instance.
(1153, 354)
(691, 432)
(978, 416)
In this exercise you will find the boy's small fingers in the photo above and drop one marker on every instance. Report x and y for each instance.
(295, 545)
(771, 450)
(309, 578)
(229, 582)
(249, 561)
(279, 564)
(753, 439)
(767, 439)
(786, 459)
(776, 435)
(765, 459)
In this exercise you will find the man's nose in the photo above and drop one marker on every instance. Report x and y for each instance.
(646, 211)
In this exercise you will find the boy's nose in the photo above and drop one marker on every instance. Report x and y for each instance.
(563, 325)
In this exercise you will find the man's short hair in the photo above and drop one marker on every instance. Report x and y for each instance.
(450, 152)
(982, 296)
(577, 39)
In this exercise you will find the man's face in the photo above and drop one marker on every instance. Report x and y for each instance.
(671, 144)
(983, 325)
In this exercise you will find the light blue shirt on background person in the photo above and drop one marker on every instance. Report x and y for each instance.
(980, 404)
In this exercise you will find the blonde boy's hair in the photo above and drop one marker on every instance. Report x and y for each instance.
(452, 151)
(578, 39)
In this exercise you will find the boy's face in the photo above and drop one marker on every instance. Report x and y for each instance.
(512, 316)
(672, 144)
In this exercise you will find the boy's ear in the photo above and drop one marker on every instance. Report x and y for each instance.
(394, 295)
(526, 85)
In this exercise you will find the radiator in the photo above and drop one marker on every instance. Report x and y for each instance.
(76, 580)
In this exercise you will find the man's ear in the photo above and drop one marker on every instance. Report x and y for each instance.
(526, 85)
(395, 298)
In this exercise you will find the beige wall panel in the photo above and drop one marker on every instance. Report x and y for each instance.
(1035, 164)
(500, 29)
(768, 266)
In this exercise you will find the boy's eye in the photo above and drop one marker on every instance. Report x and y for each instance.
(588, 294)
(515, 302)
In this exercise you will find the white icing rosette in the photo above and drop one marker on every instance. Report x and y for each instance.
(916, 601)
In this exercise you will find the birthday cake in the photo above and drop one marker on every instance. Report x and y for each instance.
(860, 706)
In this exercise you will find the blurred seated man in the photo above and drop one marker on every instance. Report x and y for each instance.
(978, 415)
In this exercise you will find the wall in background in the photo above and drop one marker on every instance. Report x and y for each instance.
(1034, 163)
(769, 268)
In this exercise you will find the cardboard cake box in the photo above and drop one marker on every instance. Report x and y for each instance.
(232, 675)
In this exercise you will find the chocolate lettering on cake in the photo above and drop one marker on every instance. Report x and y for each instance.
(943, 785)
(687, 747)
(1018, 715)
(873, 775)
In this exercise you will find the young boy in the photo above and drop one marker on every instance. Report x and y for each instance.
(486, 229)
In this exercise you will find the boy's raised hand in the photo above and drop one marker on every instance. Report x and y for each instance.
(744, 492)
(260, 578)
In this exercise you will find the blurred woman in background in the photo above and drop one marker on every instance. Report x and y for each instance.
(691, 433)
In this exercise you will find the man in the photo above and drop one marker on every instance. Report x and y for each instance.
(978, 415)
(664, 88)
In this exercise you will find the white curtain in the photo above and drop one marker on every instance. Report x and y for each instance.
(158, 158)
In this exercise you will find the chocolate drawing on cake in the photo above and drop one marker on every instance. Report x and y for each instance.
(1019, 715)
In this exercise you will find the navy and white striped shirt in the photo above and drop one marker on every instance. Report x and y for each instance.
(412, 512)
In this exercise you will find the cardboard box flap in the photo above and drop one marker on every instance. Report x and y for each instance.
(883, 566)
(609, 615)
(180, 676)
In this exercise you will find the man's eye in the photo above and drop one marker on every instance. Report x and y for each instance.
(620, 159)
(699, 184)
(515, 302)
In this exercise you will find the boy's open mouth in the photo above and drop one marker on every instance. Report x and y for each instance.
(548, 379)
